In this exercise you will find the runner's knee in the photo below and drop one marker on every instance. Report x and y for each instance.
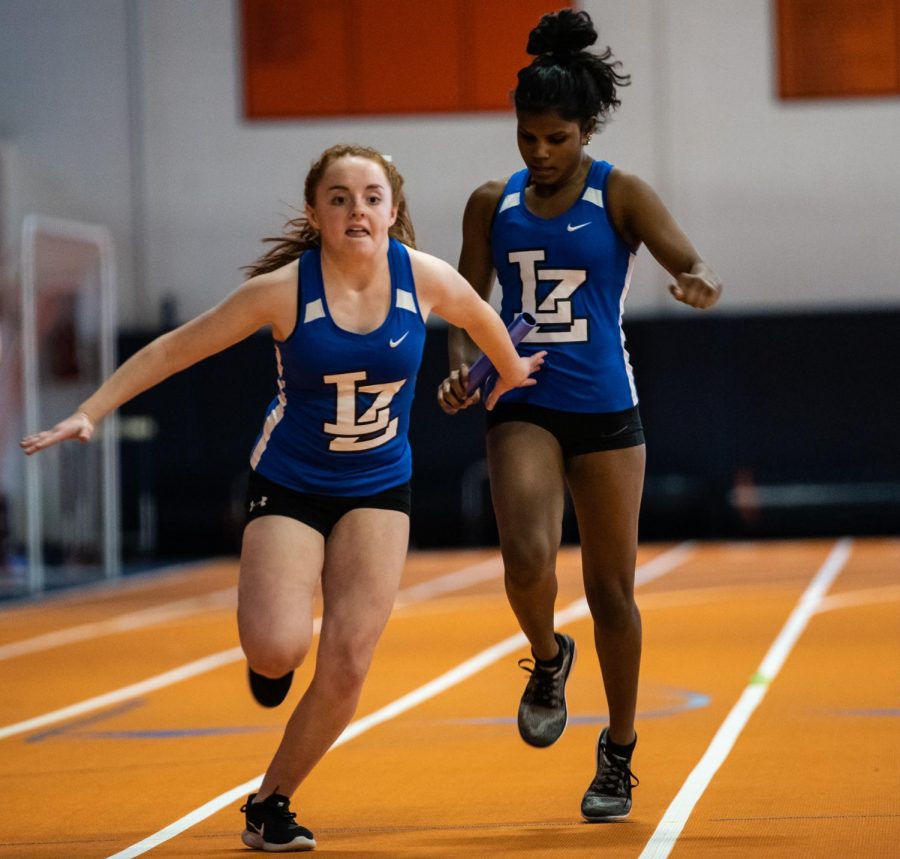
(275, 658)
(342, 670)
(529, 558)
(612, 605)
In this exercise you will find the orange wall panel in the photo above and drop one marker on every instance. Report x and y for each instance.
(407, 63)
(306, 58)
(497, 42)
(838, 48)
(293, 56)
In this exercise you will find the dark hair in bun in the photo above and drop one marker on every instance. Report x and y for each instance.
(564, 77)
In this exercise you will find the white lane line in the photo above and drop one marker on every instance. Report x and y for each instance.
(664, 563)
(869, 596)
(107, 589)
(127, 622)
(151, 684)
(663, 839)
(473, 575)
(653, 569)
(457, 579)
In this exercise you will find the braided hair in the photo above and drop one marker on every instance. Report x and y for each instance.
(564, 77)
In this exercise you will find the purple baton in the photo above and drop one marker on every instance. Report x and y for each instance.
(482, 368)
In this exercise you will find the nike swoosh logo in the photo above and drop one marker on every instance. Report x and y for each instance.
(572, 229)
(255, 828)
(395, 343)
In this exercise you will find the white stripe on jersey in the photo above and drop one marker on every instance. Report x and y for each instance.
(509, 201)
(274, 417)
(593, 195)
(405, 301)
(634, 397)
(313, 311)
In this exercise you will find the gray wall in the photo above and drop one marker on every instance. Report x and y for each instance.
(65, 115)
(128, 113)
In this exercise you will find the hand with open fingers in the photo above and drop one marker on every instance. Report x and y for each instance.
(78, 426)
(700, 289)
(530, 364)
(452, 396)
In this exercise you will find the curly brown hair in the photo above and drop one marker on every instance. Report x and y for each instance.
(299, 234)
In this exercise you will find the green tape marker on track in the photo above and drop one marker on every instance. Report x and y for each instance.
(759, 679)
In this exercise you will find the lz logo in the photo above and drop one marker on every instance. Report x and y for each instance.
(348, 429)
(261, 503)
(556, 308)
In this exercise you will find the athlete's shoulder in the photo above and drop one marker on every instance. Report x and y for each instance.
(487, 195)
(628, 196)
(426, 266)
(626, 186)
(275, 294)
(272, 285)
(278, 276)
(482, 206)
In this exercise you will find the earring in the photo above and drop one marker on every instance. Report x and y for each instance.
(586, 140)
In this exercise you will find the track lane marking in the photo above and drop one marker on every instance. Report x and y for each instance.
(676, 815)
(653, 569)
(475, 573)
(127, 622)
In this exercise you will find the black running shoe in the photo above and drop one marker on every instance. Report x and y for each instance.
(542, 710)
(609, 796)
(271, 826)
(268, 691)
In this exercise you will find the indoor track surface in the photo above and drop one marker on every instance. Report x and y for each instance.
(767, 716)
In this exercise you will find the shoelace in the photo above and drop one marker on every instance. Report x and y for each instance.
(610, 781)
(281, 809)
(543, 689)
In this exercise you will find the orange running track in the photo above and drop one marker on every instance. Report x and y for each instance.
(768, 708)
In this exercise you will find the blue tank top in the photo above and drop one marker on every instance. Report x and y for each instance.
(339, 422)
(572, 274)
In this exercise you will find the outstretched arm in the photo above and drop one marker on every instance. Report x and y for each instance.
(442, 289)
(641, 218)
(258, 302)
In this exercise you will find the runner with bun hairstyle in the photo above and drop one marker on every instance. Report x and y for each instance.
(561, 236)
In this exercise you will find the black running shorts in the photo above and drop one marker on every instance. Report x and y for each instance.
(321, 512)
(576, 432)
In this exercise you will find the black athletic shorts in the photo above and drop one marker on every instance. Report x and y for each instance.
(576, 432)
(322, 512)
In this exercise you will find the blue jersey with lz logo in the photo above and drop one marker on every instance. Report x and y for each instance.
(338, 425)
(572, 274)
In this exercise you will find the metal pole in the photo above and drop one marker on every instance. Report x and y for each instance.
(33, 502)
